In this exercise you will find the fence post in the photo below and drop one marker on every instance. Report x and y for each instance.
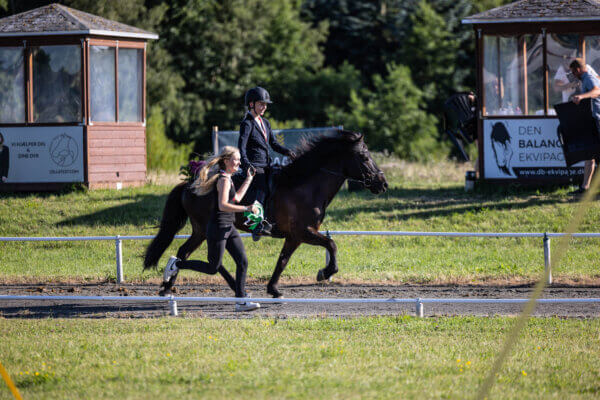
(119, 252)
(173, 306)
(215, 139)
(547, 267)
(419, 308)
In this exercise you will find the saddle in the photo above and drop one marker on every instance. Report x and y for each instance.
(272, 179)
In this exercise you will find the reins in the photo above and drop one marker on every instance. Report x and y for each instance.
(365, 181)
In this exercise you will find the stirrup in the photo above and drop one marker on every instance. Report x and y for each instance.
(267, 227)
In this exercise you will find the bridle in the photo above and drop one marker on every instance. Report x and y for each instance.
(366, 180)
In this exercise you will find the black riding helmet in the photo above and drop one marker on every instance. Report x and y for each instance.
(257, 94)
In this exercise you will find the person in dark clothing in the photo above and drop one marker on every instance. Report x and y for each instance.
(590, 89)
(256, 138)
(215, 177)
(4, 160)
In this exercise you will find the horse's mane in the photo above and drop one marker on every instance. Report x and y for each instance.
(313, 153)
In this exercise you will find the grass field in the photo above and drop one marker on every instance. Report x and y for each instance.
(421, 198)
(393, 358)
(371, 357)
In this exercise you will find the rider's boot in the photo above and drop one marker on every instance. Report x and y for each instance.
(262, 229)
(256, 232)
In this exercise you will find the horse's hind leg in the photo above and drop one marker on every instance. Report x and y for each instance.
(312, 236)
(288, 249)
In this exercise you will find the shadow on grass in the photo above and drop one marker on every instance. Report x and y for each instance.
(146, 209)
(66, 189)
(428, 203)
(483, 191)
(141, 210)
(73, 310)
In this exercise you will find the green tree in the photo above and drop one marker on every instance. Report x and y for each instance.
(485, 5)
(161, 152)
(366, 34)
(392, 116)
(430, 51)
(222, 48)
(312, 93)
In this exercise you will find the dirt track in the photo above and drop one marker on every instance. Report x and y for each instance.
(97, 309)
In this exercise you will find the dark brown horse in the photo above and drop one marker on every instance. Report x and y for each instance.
(303, 191)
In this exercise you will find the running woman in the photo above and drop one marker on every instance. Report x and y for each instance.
(215, 177)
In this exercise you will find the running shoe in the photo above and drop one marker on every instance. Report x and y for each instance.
(247, 306)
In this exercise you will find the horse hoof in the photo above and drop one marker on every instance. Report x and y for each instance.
(164, 292)
(275, 293)
(320, 276)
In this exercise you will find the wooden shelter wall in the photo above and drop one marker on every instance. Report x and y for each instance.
(116, 154)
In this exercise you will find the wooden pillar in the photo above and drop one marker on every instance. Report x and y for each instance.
(546, 94)
(523, 75)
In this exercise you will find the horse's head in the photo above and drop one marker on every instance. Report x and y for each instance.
(359, 165)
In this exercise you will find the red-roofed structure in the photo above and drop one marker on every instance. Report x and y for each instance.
(72, 100)
(523, 54)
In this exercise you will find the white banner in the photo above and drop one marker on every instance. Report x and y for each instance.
(44, 154)
(524, 149)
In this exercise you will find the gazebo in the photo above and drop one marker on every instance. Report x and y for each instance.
(523, 53)
(72, 100)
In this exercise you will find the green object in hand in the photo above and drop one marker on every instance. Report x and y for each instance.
(252, 220)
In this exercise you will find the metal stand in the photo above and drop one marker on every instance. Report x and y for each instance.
(119, 251)
(547, 264)
(419, 308)
(173, 306)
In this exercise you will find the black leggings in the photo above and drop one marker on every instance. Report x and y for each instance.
(259, 188)
(218, 239)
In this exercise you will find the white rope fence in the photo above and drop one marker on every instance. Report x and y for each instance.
(118, 239)
(172, 300)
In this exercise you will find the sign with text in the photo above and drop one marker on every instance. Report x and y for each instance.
(289, 138)
(524, 149)
(44, 154)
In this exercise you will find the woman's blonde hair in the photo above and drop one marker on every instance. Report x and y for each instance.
(208, 175)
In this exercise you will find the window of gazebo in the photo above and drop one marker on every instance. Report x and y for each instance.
(116, 81)
(56, 84)
(513, 71)
(54, 94)
(12, 85)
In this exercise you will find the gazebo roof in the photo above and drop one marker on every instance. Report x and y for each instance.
(539, 11)
(57, 20)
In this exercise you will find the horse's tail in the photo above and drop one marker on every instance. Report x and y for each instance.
(173, 219)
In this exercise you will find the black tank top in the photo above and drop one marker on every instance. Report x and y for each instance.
(222, 218)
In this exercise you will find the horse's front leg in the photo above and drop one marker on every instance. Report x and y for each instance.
(312, 236)
(288, 249)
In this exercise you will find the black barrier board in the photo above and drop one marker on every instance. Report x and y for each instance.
(577, 131)
(290, 138)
